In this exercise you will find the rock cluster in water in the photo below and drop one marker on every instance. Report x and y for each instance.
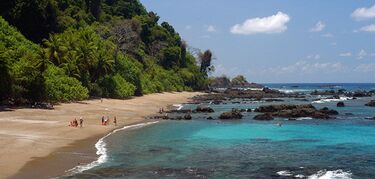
(371, 103)
(293, 111)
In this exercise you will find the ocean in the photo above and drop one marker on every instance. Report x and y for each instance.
(306, 148)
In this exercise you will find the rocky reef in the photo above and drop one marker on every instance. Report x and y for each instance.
(293, 111)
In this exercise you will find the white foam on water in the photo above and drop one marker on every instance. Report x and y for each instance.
(332, 100)
(336, 174)
(290, 91)
(299, 176)
(178, 106)
(304, 118)
(101, 149)
(284, 173)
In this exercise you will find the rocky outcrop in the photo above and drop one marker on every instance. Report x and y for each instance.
(263, 117)
(204, 109)
(371, 103)
(340, 104)
(294, 111)
(234, 114)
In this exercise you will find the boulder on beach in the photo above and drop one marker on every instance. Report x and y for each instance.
(340, 104)
(371, 103)
(263, 117)
(234, 114)
(204, 109)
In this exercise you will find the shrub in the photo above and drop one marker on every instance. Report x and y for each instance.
(60, 87)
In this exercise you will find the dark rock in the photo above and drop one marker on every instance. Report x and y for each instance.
(249, 110)
(371, 103)
(327, 111)
(210, 118)
(340, 104)
(187, 117)
(263, 117)
(234, 114)
(296, 111)
(274, 100)
(204, 109)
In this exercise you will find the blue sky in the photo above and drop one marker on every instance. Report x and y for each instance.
(279, 41)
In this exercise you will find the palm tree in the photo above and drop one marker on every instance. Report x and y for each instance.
(104, 64)
(42, 60)
(55, 49)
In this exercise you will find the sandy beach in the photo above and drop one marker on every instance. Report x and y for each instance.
(27, 135)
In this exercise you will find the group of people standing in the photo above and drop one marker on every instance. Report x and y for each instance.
(74, 123)
(106, 120)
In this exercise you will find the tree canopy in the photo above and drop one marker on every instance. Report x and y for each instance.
(66, 50)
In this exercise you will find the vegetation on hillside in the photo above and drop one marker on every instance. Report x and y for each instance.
(67, 50)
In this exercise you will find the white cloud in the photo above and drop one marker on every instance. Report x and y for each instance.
(303, 67)
(211, 28)
(316, 57)
(369, 28)
(271, 24)
(361, 54)
(328, 35)
(319, 26)
(364, 13)
(365, 68)
(346, 54)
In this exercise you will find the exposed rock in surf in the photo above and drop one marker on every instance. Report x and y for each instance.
(371, 103)
(234, 114)
(340, 104)
(296, 111)
(204, 109)
(264, 117)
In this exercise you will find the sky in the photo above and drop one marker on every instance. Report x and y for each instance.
(279, 41)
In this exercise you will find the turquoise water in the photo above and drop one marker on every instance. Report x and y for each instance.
(341, 148)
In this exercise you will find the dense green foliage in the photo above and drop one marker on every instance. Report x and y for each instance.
(67, 50)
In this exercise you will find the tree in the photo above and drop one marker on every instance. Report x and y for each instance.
(206, 59)
(239, 81)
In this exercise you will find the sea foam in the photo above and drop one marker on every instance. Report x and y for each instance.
(101, 149)
(336, 174)
(332, 100)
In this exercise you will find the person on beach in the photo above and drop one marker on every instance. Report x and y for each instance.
(81, 122)
(102, 120)
(115, 121)
(75, 122)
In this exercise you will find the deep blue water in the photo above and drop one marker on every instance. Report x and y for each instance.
(308, 148)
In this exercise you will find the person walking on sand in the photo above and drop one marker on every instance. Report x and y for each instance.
(115, 121)
(81, 122)
(102, 120)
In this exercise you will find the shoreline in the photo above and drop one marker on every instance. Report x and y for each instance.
(80, 153)
(53, 148)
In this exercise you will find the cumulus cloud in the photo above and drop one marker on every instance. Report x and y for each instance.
(364, 13)
(328, 35)
(269, 25)
(369, 28)
(316, 57)
(319, 26)
(304, 67)
(361, 54)
(211, 28)
(365, 68)
(346, 54)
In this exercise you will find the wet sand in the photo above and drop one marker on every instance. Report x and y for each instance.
(38, 143)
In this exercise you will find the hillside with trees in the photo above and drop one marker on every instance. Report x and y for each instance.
(68, 50)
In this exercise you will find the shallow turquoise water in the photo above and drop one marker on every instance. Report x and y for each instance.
(341, 148)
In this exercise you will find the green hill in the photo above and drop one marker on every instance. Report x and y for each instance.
(66, 50)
